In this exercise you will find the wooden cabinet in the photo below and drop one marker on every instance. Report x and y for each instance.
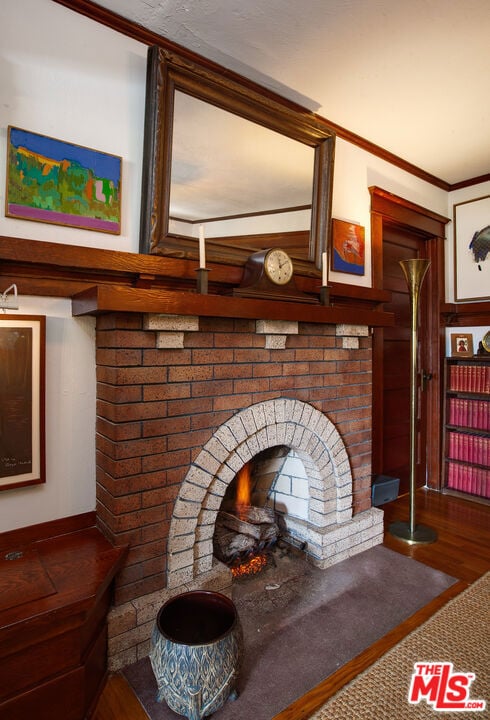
(55, 592)
(466, 464)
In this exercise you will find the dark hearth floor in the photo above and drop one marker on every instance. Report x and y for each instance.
(300, 624)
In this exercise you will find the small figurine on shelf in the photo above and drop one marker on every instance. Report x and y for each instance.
(484, 345)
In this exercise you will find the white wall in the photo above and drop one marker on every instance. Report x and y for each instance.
(70, 421)
(68, 77)
(355, 172)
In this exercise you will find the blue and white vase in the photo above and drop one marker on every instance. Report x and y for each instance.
(196, 652)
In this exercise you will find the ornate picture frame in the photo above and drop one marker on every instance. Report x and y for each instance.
(461, 345)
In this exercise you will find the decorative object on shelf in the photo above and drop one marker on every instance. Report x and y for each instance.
(269, 274)
(347, 247)
(57, 182)
(278, 266)
(202, 247)
(415, 272)
(22, 369)
(461, 345)
(484, 344)
(202, 271)
(472, 249)
(325, 289)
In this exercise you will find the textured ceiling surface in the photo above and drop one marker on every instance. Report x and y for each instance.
(409, 75)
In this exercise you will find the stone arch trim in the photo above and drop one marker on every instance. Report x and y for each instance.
(281, 421)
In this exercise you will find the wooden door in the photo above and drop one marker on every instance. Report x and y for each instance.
(399, 244)
(403, 230)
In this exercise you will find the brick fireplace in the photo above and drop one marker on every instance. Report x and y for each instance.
(182, 403)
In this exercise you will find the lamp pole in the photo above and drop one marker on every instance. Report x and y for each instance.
(415, 272)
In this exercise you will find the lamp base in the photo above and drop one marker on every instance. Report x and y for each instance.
(421, 535)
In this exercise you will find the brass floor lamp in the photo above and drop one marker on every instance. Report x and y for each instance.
(410, 532)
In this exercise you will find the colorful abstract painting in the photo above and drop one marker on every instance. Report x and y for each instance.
(347, 247)
(53, 181)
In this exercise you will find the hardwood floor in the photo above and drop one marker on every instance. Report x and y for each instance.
(461, 550)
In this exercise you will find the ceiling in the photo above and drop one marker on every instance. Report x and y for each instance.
(411, 76)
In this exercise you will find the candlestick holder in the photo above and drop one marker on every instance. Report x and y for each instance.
(202, 280)
(325, 295)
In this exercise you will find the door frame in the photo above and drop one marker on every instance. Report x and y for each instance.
(389, 209)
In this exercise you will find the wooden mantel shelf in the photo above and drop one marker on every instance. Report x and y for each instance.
(101, 281)
(117, 298)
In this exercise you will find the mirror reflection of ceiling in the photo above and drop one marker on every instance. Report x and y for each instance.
(408, 75)
(213, 148)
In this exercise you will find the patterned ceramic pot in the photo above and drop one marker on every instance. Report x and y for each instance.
(196, 651)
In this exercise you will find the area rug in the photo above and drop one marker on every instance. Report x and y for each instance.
(459, 634)
(302, 624)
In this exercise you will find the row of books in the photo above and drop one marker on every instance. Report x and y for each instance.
(469, 479)
(469, 413)
(470, 378)
(469, 448)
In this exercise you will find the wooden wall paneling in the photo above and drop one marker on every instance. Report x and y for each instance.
(389, 209)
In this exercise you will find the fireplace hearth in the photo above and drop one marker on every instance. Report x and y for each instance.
(184, 406)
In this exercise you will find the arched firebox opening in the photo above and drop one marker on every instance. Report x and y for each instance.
(325, 525)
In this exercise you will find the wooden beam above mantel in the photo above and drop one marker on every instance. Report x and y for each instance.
(101, 281)
(116, 298)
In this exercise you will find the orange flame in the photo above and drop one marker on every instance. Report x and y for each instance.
(243, 491)
(250, 567)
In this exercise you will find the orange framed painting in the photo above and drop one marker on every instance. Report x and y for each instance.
(348, 248)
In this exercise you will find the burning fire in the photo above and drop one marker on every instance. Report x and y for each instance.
(255, 563)
(243, 491)
(250, 567)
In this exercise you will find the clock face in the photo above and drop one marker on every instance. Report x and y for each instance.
(278, 266)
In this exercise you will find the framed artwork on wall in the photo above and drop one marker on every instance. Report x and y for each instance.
(22, 400)
(472, 249)
(57, 182)
(348, 251)
(461, 345)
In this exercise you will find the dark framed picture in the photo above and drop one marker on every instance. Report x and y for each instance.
(53, 181)
(348, 251)
(472, 249)
(461, 345)
(22, 400)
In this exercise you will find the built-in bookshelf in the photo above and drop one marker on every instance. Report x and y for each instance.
(466, 464)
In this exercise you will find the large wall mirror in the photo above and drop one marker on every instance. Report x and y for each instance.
(250, 168)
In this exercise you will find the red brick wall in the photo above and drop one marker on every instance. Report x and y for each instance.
(157, 407)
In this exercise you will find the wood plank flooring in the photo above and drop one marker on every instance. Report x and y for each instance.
(461, 550)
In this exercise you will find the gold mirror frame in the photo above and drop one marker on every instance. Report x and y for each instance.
(167, 72)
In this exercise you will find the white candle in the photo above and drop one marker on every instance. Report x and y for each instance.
(202, 248)
(324, 269)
